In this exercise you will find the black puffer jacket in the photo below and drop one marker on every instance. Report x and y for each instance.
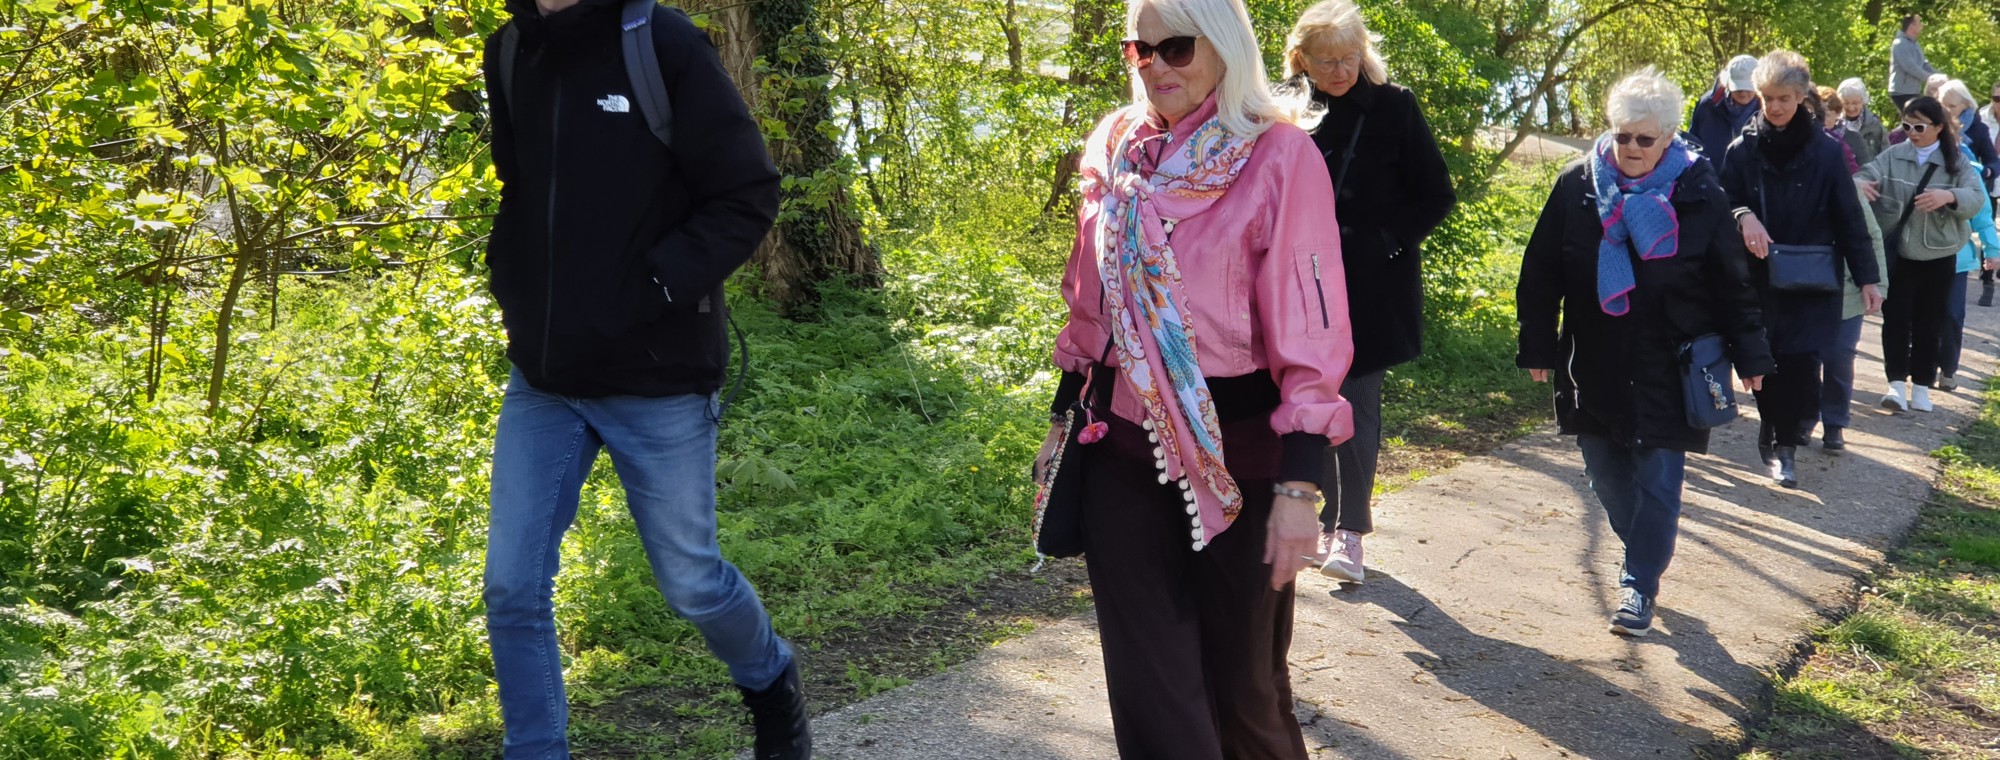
(1620, 376)
(1394, 196)
(609, 251)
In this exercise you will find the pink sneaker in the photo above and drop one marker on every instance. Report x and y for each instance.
(1327, 540)
(1343, 561)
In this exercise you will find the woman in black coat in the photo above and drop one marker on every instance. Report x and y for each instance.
(1632, 284)
(1392, 190)
(1789, 185)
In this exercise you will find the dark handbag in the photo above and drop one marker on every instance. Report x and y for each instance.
(1705, 372)
(1058, 525)
(1811, 269)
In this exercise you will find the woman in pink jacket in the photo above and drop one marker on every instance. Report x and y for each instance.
(1206, 295)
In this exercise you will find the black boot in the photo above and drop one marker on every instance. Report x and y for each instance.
(779, 714)
(1783, 469)
(1767, 439)
(1986, 290)
(1833, 440)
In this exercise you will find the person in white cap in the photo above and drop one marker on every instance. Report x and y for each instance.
(1721, 114)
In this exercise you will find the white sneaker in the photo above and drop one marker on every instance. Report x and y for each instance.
(1920, 399)
(1344, 564)
(1947, 383)
(1895, 400)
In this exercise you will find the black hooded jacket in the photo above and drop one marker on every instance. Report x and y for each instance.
(609, 251)
(1620, 376)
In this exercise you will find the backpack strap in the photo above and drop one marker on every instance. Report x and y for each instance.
(642, 67)
(510, 48)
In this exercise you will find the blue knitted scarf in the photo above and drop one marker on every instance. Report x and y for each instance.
(1638, 212)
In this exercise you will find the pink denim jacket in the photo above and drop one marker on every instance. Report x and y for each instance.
(1263, 274)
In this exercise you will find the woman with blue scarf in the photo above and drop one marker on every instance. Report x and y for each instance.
(1634, 256)
(1791, 191)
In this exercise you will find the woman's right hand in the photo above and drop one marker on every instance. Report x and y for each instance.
(1755, 237)
(1048, 452)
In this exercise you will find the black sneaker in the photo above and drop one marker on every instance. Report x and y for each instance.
(779, 714)
(1833, 440)
(1635, 615)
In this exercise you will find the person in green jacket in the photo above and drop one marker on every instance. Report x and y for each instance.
(1925, 230)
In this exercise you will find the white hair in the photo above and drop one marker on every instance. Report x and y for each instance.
(1645, 96)
(1243, 97)
(1956, 89)
(1784, 68)
(1854, 90)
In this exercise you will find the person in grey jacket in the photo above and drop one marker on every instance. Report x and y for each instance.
(1907, 66)
(1924, 249)
(1855, 117)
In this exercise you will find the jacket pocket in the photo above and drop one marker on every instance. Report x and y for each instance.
(1315, 267)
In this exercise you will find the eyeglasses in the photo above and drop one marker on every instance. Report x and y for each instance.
(1351, 62)
(1173, 51)
(1917, 129)
(1644, 141)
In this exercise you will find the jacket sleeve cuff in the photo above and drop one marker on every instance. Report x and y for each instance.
(1303, 459)
(1067, 392)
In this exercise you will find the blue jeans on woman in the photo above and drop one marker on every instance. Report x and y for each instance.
(1640, 489)
(1836, 393)
(664, 452)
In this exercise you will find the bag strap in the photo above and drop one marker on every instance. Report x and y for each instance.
(642, 67)
(1347, 156)
(510, 47)
(1911, 207)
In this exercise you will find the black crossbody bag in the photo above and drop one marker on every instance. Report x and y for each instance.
(1058, 525)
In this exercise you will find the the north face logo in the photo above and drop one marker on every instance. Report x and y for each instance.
(615, 104)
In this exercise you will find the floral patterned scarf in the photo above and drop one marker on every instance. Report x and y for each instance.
(1147, 305)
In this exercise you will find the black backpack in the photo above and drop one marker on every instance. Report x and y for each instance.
(642, 68)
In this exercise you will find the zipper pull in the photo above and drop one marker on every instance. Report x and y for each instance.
(663, 290)
(1315, 267)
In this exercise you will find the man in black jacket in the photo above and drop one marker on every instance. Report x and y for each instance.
(608, 257)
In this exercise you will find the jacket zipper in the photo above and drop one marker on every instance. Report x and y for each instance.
(1575, 388)
(549, 282)
(1325, 323)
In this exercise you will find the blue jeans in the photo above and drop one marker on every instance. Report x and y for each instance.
(1836, 393)
(1952, 344)
(664, 452)
(1641, 493)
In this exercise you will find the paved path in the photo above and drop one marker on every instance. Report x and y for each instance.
(1482, 635)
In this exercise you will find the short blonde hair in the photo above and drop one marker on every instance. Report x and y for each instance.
(1645, 96)
(1935, 82)
(1335, 24)
(1783, 68)
(1243, 97)
(1830, 98)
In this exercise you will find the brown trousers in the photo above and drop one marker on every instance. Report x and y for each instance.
(1194, 642)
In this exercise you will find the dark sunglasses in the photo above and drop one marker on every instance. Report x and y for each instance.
(1917, 129)
(1627, 138)
(1173, 51)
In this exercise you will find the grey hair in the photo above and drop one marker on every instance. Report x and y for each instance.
(1957, 88)
(1783, 68)
(1853, 90)
(1644, 96)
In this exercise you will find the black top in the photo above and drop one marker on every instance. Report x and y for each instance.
(609, 250)
(1620, 376)
(1808, 198)
(1397, 192)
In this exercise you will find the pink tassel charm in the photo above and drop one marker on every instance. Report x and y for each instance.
(1092, 432)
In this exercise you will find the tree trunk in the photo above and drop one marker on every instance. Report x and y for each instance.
(811, 244)
(1092, 71)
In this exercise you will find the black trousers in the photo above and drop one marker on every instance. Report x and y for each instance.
(1790, 399)
(1914, 319)
(1351, 466)
(1194, 642)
